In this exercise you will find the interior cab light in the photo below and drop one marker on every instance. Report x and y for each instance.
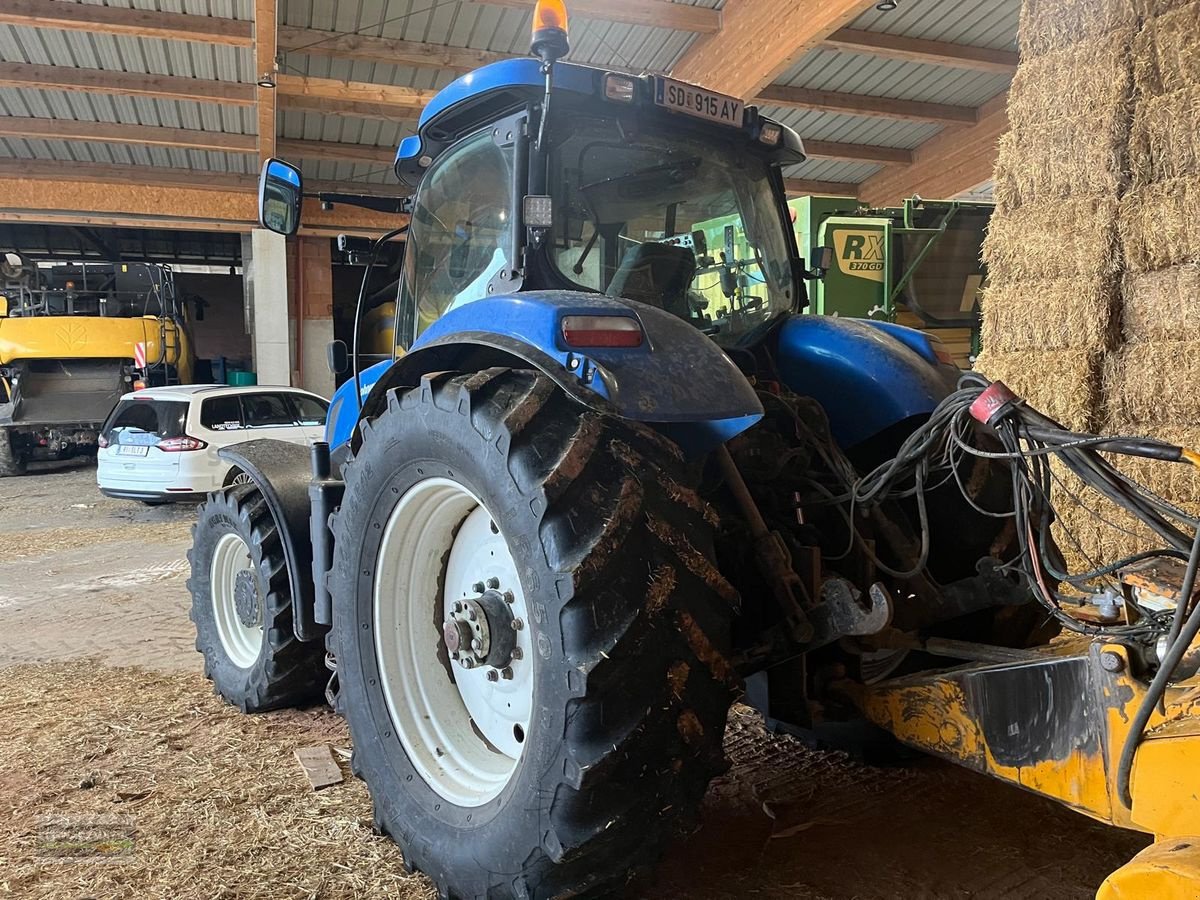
(601, 331)
(620, 88)
(181, 444)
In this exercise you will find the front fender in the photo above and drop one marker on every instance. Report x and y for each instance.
(866, 377)
(282, 472)
(678, 381)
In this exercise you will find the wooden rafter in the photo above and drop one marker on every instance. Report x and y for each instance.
(761, 39)
(330, 95)
(139, 135)
(339, 152)
(864, 105)
(265, 16)
(130, 84)
(655, 13)
(938, 53)
(947, 164)
(133, 22)
(857, 152)
(801, 187)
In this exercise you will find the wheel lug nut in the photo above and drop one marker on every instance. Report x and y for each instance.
(476, 644)
(457, 606)
(493, 675)
(493, 583)
(507, 673)
(467, 663)
(471, 614)
(517, 624)
(509, 597)
(518, 653)
(477, 587)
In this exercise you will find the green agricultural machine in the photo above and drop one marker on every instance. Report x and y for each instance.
(919, 264)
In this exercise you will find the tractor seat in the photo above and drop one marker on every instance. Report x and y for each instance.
(657, 275)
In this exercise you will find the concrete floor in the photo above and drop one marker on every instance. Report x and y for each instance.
(87, 578)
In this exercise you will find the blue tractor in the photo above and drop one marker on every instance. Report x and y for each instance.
(599, 490)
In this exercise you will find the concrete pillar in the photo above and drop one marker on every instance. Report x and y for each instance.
(264, 268)
(311, 278)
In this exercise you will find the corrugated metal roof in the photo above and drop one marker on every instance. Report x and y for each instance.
(980, 23)
(859, 73)
(480, 26)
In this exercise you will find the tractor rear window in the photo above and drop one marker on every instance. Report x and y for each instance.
(137, 421)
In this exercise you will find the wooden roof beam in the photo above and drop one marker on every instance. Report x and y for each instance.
(337, 152)
(352, 97)
(857, 152)
(805, 187)
(936, 53)
(947, 164)
(761, 39)
(128, 84)
(137, 135)
(265, 16)
(132, 22)
(655, 13)
(864, 105)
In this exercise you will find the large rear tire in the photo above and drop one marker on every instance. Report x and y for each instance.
(12, 463)
(589, 526)
(242, 607)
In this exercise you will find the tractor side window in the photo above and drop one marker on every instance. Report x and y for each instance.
(460, 225)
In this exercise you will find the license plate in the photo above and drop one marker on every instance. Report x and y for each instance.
(695, 101)
(132, 450)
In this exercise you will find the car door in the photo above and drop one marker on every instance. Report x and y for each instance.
(310, 413)
(269, 414)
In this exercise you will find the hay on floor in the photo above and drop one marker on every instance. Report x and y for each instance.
(1166, 52)
(1159, 225)
(1049, 25)
(1061, 384)
(1165, 140)
(1154, 383)
(1055, 239)
(1059, 314)
(1162, 305)
(1090, 79)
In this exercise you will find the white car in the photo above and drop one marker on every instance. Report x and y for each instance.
(160, 444)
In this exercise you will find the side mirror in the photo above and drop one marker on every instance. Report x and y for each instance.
(339, 358)
(825, 259)
(280, 195)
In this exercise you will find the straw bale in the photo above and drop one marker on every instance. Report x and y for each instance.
(1153, 383)
(1064, 158)
(1160, 224)
(1166, 53)
(1061, 384)
(1092, 78)
(1049, 25)
(1164, 142)
(1175, 482)
(1162, 305)
(1055, 314)
(1054, 239)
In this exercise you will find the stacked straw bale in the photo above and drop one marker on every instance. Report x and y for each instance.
(1050, 312)
(1094, 254)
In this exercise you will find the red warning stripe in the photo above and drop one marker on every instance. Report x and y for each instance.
(139, 355)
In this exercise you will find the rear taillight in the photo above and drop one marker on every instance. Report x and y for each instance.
(601, 331)
(180, 444)
(102, 442)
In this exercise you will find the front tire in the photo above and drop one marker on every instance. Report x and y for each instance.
(242, 607)
(607, 551)
(12, 463)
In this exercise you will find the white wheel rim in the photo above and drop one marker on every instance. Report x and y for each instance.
(241, 642)
(241, 478)
(464, 734)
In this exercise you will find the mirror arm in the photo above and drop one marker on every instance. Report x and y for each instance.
(364, 201)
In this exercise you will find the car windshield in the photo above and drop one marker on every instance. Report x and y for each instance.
(691, 226)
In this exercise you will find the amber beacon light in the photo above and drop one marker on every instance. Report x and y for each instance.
(550, 42)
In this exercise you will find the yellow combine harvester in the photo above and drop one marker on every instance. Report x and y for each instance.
(69, 348)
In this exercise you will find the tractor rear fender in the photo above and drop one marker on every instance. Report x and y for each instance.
(282, 472)
(677, 381)
(867, 375)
